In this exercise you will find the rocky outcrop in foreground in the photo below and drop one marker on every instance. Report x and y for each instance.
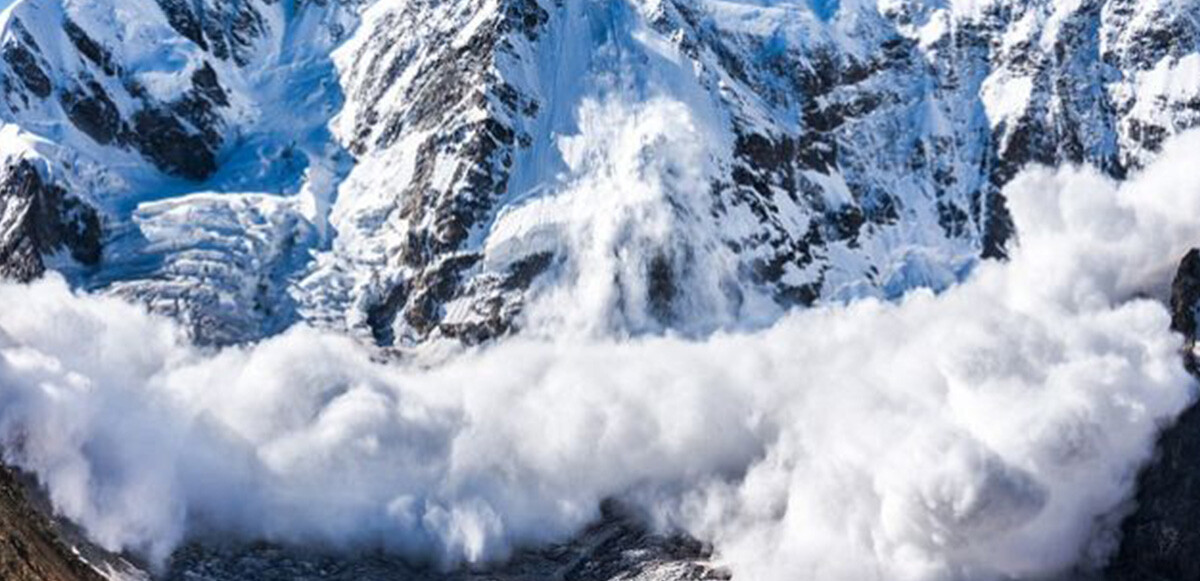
(35, 547)
(31, 546)
(1161, 538)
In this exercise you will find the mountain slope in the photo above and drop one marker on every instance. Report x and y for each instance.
(652, 164)
(430, 173)
(136, 109)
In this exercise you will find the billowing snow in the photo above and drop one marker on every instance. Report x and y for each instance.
(985, 433)
(982, 430)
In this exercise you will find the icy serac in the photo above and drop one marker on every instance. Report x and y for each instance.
(414, 170)
(186, 144)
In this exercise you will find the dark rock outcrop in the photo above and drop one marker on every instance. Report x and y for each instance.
(1160, 540)
(39, 218)
(1185, 295)
(181, 136)
(31, 547)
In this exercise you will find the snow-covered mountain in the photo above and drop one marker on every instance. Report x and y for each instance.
(413, 170)
(424, 174)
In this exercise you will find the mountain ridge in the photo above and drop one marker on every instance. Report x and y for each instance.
(859, 152)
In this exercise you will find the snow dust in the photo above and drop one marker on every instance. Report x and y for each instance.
(986, 432)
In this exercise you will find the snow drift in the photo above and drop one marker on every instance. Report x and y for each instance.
(987, 432)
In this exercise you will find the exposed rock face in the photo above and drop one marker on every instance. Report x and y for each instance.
(419, 84)
(37, 218)
(1160, 539)
(1185, 296)
(31, 549)
(108, 103)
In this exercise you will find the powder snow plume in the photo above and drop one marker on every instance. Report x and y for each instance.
(987, 432)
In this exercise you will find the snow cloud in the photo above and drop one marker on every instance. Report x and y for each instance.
(981, 433)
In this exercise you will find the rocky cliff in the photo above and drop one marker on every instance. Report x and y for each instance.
(33, 546)
(1159, 539)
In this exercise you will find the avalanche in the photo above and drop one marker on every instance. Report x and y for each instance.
(586, 229)
(985, 433)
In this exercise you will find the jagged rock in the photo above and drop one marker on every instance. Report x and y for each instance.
(1160, 540)
(31, 546)
(99, 95)
(37, 219)
(1185, 295)
(166, 141)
